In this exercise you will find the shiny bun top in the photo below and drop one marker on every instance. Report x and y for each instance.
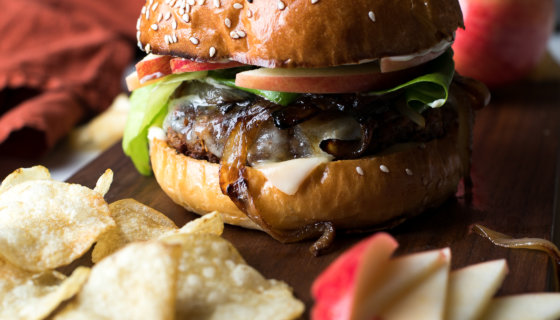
(295, 33)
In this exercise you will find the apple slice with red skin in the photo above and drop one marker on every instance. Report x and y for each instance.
(180, 65)
(342, 79)
(390, 64)
(153, 67)
(334, 289)
(503, 39)
(133, 83)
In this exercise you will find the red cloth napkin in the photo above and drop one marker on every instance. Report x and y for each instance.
(60, 62)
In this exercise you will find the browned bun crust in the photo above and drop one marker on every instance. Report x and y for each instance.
(334, 191)
(302, 34)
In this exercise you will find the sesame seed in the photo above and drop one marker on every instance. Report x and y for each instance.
(249, 13)
(174, 24)
(154, 6)
(234, 35)
(147, 14)
(175, 38)
(194, 40)
(360, 171)
(166, 38)
(314, 1)
(143, 10)
(212, 52)
(217, 3)
(171, 3)
(138, 24)
(200, 2)
(167, 16)
(281, 5)
(237, 6)
(147, 48)
(384, 168)
(187, 8)
(227, 22)
(371, 16)
(139, 44)
(181, 11)
(190, 2)
(138, 35)
(241, 34)
(186, 18)
(150, 2)
(160, 17)
(408, 171)
(154, 27)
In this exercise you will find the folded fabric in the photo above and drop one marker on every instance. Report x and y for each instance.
(60, 62)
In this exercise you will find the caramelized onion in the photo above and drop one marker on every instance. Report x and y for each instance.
(293, 115)
(478, 92)
(233, 183)
(349, 149)
(502, 240)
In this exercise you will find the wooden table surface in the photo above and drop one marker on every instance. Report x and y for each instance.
(515, 170)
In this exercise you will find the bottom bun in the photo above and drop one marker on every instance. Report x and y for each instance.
(352, 194)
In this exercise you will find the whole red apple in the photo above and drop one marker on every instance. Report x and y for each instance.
(503, 39)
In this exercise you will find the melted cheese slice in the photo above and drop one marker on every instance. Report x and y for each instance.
(287, 176)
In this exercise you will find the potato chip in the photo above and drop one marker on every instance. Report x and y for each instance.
(209, 223)
(104, 182)
(138, 222)
(137, 282)
(45, 224)
(135, 222)
(25, 174)
(30, 296)
(214, 282)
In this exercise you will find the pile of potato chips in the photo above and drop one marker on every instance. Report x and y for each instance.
(145, 266)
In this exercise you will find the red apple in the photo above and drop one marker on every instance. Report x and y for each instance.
(503, 39)
(343, 79)
(390, 64)
(180, 65)
(334, 289)
(153, 67)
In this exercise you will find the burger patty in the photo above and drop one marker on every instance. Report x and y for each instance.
(340, 126)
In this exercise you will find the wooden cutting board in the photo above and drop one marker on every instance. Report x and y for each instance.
(515, 170)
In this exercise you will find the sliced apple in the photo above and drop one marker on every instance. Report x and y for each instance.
(390, 64)
(132, 82)
(153, 67)
(401, 275)
(471, 289)
(536, 306)
(424, 301)
(180, 65)
(334, 289)
(343, 79)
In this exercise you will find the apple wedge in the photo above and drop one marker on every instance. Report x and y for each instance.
(153, 67)
(471, 289)
(400, 275)
(180, 65)
(334, 289)
(424, 301)
(536, 306)
(343, 79)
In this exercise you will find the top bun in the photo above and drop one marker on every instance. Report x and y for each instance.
(295, 33)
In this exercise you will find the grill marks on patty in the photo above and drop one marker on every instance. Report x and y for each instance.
(199, 126)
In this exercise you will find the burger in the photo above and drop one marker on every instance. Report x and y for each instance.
(302, 117)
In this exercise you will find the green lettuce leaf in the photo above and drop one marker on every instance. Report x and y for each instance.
(281, 98)
(148, 107)
(431, 89)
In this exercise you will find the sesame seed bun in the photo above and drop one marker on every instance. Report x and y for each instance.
(378, 190)
(295, 33)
